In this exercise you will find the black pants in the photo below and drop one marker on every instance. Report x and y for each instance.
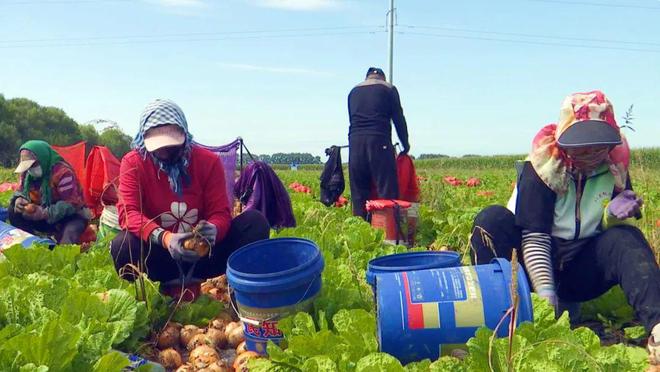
(619, 255)
(371, 163)
(127, 248)
(67, 231)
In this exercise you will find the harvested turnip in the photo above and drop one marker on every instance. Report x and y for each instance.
(217, 336)
(169, 337)
(241, 348)
(219, 366)
(187, 333)
(220, 281)
(198, 245)
(241, 362)
(225, 315)
(199, 340)
(215, 293)
(231, 326)
(235, 337)
(221, 321)
(203, 356)
(185, 368)
(170, 358)
(206, 287)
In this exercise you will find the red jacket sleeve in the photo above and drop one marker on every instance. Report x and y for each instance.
(131, 217)
(217, 207)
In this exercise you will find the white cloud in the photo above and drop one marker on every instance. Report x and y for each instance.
(272, 69)
(300, 4)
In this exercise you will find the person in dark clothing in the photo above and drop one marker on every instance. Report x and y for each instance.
(569, 217)
(372, 104)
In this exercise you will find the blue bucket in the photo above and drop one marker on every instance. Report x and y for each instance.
(10, 235)
(411, 261)
(272, 279)
(428, 313)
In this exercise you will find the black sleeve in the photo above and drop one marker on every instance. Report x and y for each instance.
(348, 101)
(535, 203)
(398, 119)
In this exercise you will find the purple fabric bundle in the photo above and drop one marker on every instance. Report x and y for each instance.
(227, 154)
(259, 188)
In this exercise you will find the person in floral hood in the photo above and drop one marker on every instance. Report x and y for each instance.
(168, 187)
(570, 217)
(50, 198)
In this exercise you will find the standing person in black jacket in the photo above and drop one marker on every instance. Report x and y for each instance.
(372, 104)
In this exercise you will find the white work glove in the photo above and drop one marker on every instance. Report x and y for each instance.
(208, 231)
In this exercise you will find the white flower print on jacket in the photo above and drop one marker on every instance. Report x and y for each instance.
(180, 217)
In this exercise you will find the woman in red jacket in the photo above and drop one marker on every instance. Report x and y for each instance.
(169, 186)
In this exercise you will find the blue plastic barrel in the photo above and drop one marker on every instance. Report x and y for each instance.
(272, 279)
(411, 261)
(10, 235)
(428, 313)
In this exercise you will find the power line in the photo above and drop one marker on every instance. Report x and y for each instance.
(538, 36)
(57, 2)
(158, 41)
(530, 42)
(597, 4)
(190, 34)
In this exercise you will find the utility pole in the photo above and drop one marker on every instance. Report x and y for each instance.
(391, 41)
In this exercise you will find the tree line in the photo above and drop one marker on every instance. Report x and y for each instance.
(290, 158)
(22, 119)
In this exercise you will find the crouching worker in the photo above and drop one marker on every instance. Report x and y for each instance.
(570, 217)
(171, 190)
(50, 199)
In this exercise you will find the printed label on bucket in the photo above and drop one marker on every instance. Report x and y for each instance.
(451, 285)
(267, 329)
(449, 297)
(257, 336)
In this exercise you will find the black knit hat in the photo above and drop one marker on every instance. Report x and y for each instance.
(375, 70)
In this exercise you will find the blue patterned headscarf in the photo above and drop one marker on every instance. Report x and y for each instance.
(164, 112)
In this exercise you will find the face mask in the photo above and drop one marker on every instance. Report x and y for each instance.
(36, 172)
(169, 155)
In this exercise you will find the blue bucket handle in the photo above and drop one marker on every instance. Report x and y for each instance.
(254, 322)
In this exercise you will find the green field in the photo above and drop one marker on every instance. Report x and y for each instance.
(51, 315)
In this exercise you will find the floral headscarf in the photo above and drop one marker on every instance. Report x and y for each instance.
(550, 161)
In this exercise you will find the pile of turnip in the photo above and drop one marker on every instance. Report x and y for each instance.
(217, 288)
(219, 347)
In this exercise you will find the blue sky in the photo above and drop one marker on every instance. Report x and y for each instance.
(477, 77)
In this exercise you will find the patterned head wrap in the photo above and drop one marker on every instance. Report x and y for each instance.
(549, 159)
(165, 112)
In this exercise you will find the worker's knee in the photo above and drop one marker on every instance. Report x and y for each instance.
(494, 217)
(624, 239)
(252, 223)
